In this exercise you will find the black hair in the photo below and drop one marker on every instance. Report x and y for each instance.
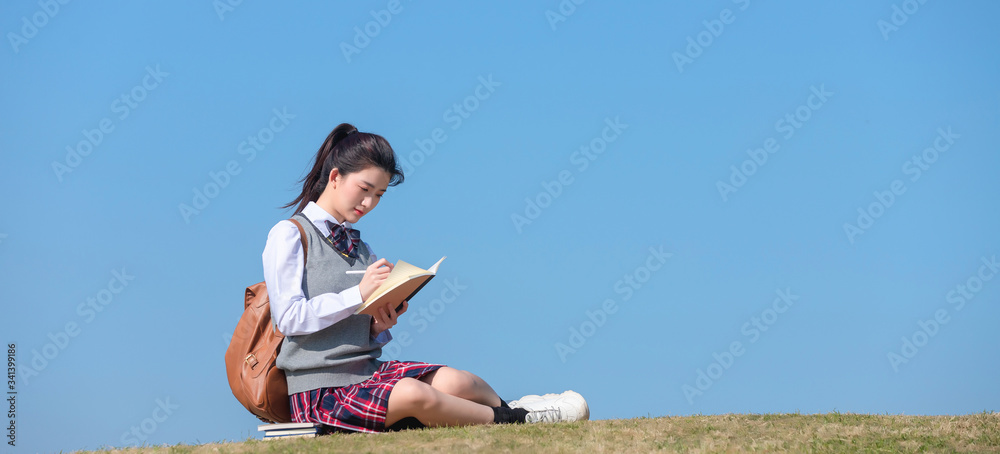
(349, 151)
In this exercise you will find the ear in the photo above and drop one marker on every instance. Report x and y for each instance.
(333, 177)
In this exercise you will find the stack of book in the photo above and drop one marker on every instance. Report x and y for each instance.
(290, 430)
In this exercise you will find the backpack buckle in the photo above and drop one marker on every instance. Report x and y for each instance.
(250, 356)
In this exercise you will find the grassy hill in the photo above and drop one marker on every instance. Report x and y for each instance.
(833, 432)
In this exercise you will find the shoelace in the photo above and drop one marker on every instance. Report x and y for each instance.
(549, 414)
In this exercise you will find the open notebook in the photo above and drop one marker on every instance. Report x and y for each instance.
(403, 282)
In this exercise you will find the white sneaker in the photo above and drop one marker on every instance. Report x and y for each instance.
(566, 407)
(519, 403)
(547, 414)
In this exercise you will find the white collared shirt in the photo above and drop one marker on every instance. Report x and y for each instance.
(292, 312)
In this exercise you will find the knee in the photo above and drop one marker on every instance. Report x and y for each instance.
(413, 394)
(458, 382)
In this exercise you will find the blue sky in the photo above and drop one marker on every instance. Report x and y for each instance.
(602, 186)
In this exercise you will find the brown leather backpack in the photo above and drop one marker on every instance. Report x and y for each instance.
(255, 380)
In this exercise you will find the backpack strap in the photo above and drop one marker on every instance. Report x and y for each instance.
(302, 238)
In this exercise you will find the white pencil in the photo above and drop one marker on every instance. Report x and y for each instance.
(355, 271)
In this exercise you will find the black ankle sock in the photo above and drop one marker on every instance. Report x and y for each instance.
(508, 415)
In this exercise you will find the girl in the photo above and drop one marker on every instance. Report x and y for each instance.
(330, 355)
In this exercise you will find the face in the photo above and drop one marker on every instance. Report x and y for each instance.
(356, 194)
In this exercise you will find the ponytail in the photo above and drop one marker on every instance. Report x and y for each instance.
(348, 151)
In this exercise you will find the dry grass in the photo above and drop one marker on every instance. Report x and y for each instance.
(832, 432)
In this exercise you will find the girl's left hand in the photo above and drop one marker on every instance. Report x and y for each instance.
(385, 318)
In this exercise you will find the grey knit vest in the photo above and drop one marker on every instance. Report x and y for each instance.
(341, 354)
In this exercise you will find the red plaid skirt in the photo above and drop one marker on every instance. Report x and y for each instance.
(360, 407)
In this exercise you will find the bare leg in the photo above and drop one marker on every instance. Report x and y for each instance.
(412, 397)
(462, 384)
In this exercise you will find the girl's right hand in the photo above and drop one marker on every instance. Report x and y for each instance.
(374, 275)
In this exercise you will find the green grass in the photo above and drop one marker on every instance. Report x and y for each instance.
(797, 433)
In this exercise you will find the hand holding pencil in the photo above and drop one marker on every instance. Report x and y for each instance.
(374, 275)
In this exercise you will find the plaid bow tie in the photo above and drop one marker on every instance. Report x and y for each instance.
(345, 240)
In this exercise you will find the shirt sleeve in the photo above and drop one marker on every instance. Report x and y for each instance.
(290, 310)
(383, 338)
